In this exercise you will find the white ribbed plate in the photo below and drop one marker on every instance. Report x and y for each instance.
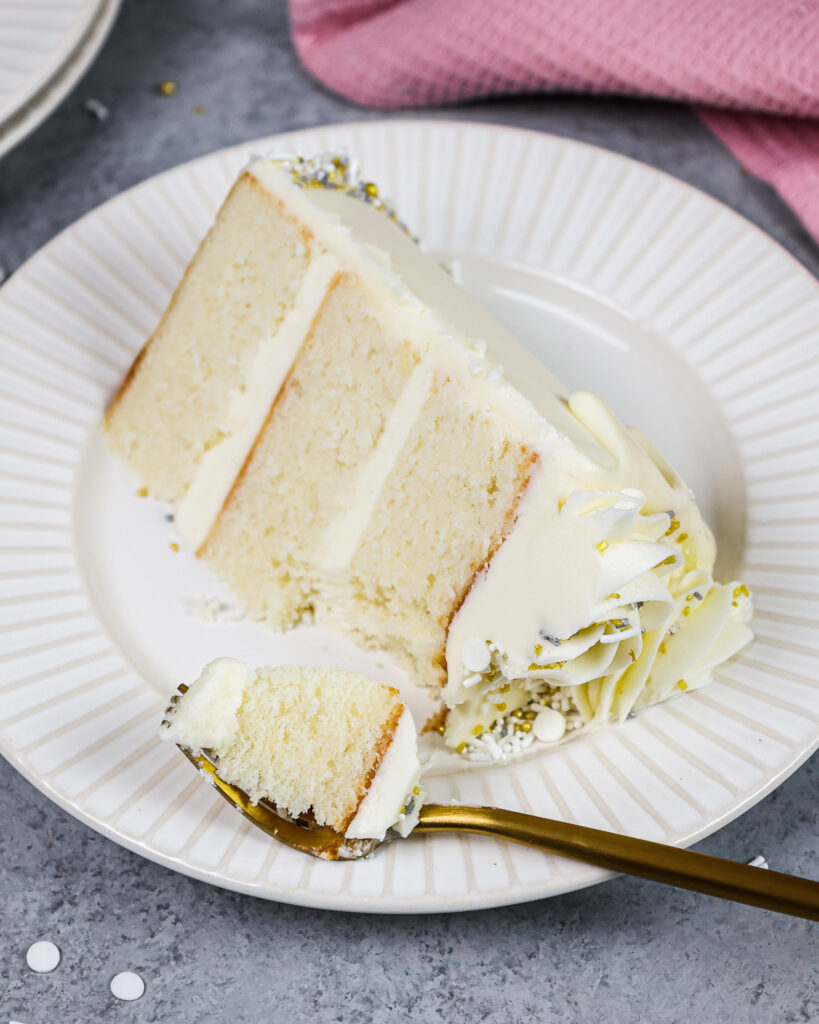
(45, 47)
(691, 321)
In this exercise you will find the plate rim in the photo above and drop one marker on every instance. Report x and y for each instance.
(493, 898)
(30, 113)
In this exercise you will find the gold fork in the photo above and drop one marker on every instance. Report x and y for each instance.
(685, 869)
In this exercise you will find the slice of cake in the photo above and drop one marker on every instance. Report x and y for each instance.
(346, 437)
(321, 744)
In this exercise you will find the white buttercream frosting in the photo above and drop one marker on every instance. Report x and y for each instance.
(600, 600)
(248, 407)
(207, 718)
(390, 800)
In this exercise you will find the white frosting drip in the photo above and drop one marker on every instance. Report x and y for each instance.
(248, 408)
(391, 786)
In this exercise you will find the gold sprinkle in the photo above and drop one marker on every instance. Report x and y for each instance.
(199, 110)
(682, 538)
(525, 726)
(682, 684)
(529, 716)
(735, 604)
(601, 547)
(687, 610)
(416, 790)
(477, 730)
(441, 730)
(534, 667)
(662, 648)
(168, 87)
(403, 809)
(371, 190)
(501, 707)
(517, 713)
(174, 546)
(538, 650)
(460, 748)
(671, 560)
(142, 492)
(505, 688)
(633, 658)
(741, 590)
(613, 597)
(555, 665)
(672, 526)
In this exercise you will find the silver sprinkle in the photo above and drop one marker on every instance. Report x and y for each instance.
(551, 639)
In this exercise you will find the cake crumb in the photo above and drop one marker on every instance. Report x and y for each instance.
(97, 110)
(208, 608)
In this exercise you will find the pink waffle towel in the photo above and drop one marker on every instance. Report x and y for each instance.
(753, 65)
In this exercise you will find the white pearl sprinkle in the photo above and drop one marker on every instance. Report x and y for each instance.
(127, 986)
(42, 957)
(475, 655)
(549, 726)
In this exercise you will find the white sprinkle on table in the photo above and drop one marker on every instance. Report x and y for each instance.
(127, 986)
(42, 956)
(758, 862)
(97, 110)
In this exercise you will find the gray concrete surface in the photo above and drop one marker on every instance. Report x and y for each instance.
(625, 951)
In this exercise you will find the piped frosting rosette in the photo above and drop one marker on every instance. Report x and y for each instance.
(599, 603)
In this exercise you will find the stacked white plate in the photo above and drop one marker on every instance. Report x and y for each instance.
(45, 48)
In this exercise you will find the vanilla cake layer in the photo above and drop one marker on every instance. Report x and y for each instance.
(302, 472)
(443, 508)
(330, 744)
(188, 389)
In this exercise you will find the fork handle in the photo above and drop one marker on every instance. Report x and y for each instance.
(658, 862)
